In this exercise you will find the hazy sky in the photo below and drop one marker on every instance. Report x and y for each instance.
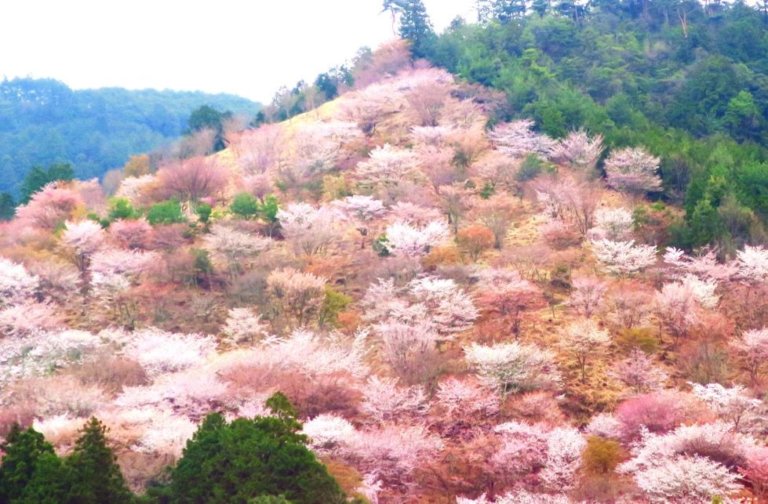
(246, 47)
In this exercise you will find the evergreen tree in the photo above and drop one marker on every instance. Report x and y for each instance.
(38, 177)
(207, 117)
(22, 450)
(7, 206)
(94, 473)
(251, 458)
(414, 25)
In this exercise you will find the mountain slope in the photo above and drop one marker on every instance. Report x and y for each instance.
(45, 122)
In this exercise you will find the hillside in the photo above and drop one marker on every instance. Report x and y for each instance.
(457, 314)
(44, 122)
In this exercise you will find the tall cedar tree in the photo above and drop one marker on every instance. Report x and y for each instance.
(235, 462)
(23, 450)
(415, 25)
(95, 475)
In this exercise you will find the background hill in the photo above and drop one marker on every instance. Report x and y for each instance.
(45, 122)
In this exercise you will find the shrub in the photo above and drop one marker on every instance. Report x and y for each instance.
(165, 212)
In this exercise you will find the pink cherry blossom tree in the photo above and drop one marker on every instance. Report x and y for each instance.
(634, 170)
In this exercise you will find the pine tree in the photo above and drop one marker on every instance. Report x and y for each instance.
(95, 475)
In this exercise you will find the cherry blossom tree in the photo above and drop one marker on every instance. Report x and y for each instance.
(362, 210)
(387, 165)
(612, 223)
(570, 201)
(295, 296)
(752, 351)
(16, 284)
(564, 448)
(49, 207)
(732, 405)
(634, 170)
(704, 266)
(583, 339)
(84, 238)
(413, 241)
(513, 367)
(579, 150)
(687, 479)
(753, 264)
(467, 398)
(496, 213)
(192, 179)
(392, 452)
(639, 373)
(385, 401)
(311, 230)
(504, 293)
(160, 352)
(244, 325)
(235, 249)
(517, 139)
(131, 234)
(624, 257)
(260, 151)
(677, 308)
(587, 295)
(409, 348)
(519, 496)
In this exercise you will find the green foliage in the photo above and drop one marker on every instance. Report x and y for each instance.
(244, 205)
(530, 169)
(203, 212)
(22, 451)
(45, 122)
(32, 473)
(699, 99)
(165, 212)
(121, 208)
(94, 474)
(7, 206)
(38, 177)
(262, 457)
(333, 303)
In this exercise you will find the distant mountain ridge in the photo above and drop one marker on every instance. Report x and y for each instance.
(43, 121)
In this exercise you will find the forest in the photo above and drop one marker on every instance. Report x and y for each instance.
(406, 283)
(46, 123)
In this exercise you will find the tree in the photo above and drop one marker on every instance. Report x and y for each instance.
(414, 24)
(633, 170)
(22, 452)
(513, 367)
(39, 177)
(584, 339)
(7, 206)
(95, 475)
(165, 212)
(233, 462)
(475, 240)
(245, 205)
(207, 117)
(193, 179)
(752, 350)
(624, 257)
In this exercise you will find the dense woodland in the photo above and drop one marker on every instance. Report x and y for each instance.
(46, 123)
(418, 291)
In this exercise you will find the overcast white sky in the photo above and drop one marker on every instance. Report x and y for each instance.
(245, 47)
